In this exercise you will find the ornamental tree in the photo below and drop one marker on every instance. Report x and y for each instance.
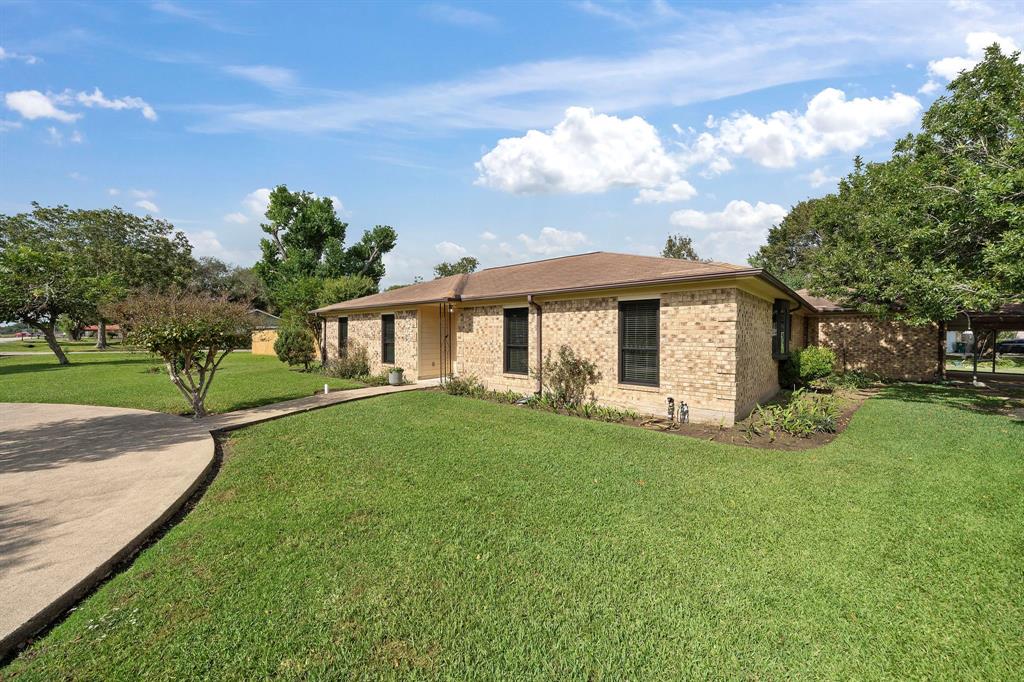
(192, 334)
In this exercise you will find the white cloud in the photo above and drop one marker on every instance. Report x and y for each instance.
(585, 152)
(238, 218)
(830, 122)
(113, 191)
(950, 67)
(487, 235)
(75, 175)
(273, 77)
(450, 250)
(257, 202)
(680, 190)
(32, 104)
(552, 242)
(208, 243)
(6, 125)
(732, 233)
(8, 55)
(459, 16)
(56, 137)
(148, 205)
(820, 176)
(96, 99)
(143, 193)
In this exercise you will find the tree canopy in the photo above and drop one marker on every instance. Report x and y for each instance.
(217, 279)
(305, 248)
(679, 246)
(791, 245)
(463, 266)
(936, 230)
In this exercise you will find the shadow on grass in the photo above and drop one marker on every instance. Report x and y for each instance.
(977, 400)
(41, 366)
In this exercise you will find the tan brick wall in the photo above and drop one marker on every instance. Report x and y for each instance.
(757, 373)
(798, 333)
(893, 350)
(364, 329)
(698, 359)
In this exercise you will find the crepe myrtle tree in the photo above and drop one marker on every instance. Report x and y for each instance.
(191, 333)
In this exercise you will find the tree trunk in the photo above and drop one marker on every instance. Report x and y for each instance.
(51, 341)
(101, 335)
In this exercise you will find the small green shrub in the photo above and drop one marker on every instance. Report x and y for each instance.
(803, 414)
(294, 345)
(568, 379)
(380, 379)
(353, 363)
(804, 365)
(846, 380)
(467, 386)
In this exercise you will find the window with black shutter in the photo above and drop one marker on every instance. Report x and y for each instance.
(387, 339)
(342, 336)
(517, 340)
(780, 328)
(638, 342)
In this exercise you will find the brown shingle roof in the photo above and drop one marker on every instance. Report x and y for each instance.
(596, 270)
(820, 303)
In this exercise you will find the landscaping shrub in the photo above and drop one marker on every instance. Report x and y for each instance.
(467, 386)
(294, 345)
(379, 379)
(352, 364)
(846, 380)
(568, 379)
(804, 365)
(804, 414)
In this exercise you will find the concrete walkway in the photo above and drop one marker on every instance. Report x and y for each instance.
(82, 487)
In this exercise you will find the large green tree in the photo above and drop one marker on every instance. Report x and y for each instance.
(939, 228)
(130, 253)
(218, 279)
(791, 245)
(43, 275)
(305, 247)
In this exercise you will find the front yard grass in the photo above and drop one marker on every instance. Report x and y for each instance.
(126, 380)
(423, 535)
(39, 346)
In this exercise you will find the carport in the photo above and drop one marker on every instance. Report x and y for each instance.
(985, 327)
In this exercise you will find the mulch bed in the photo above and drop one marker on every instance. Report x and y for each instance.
(740, 434)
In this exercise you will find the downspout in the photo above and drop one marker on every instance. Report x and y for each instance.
(540, 342)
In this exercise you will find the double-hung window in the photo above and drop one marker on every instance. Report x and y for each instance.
(780, 328)
(517, 341)
(342, 336)
(387, 339)
(638, 342)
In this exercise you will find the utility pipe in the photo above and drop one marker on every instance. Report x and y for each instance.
(540, 342)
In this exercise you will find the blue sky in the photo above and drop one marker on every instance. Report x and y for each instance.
(505, 131)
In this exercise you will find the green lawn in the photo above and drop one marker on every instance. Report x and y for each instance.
(1011, 365)
(123, 380)
(428, 536)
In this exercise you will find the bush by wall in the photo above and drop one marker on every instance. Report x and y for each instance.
(568, 378)
(804, 365)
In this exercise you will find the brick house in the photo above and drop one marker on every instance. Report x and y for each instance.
(707, 334)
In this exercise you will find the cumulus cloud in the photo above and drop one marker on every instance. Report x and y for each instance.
(147, 205)
(450, 250)
(680, 190)
(208, 243)
(32, 104)
(487, 235)
(831, 122)
(97, 99)
(257, 202)
(56, 137)
(113, 191)
(17, 56)
(238, 218)
(820, 176)
(143, 193)
(584, 153)
(948, 68)
(553, 242)
(732, 233)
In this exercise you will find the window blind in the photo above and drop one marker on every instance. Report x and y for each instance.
(517, 341)
(639, 334)
(387, 339)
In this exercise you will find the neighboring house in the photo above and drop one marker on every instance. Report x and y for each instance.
(707, 334)
(265, 333)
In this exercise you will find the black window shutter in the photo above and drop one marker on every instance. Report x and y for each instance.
(780, 328)
(342, 336)
(387, 339)
(639, 341)
(517, 341)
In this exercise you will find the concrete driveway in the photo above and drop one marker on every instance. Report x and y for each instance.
(80, 488)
